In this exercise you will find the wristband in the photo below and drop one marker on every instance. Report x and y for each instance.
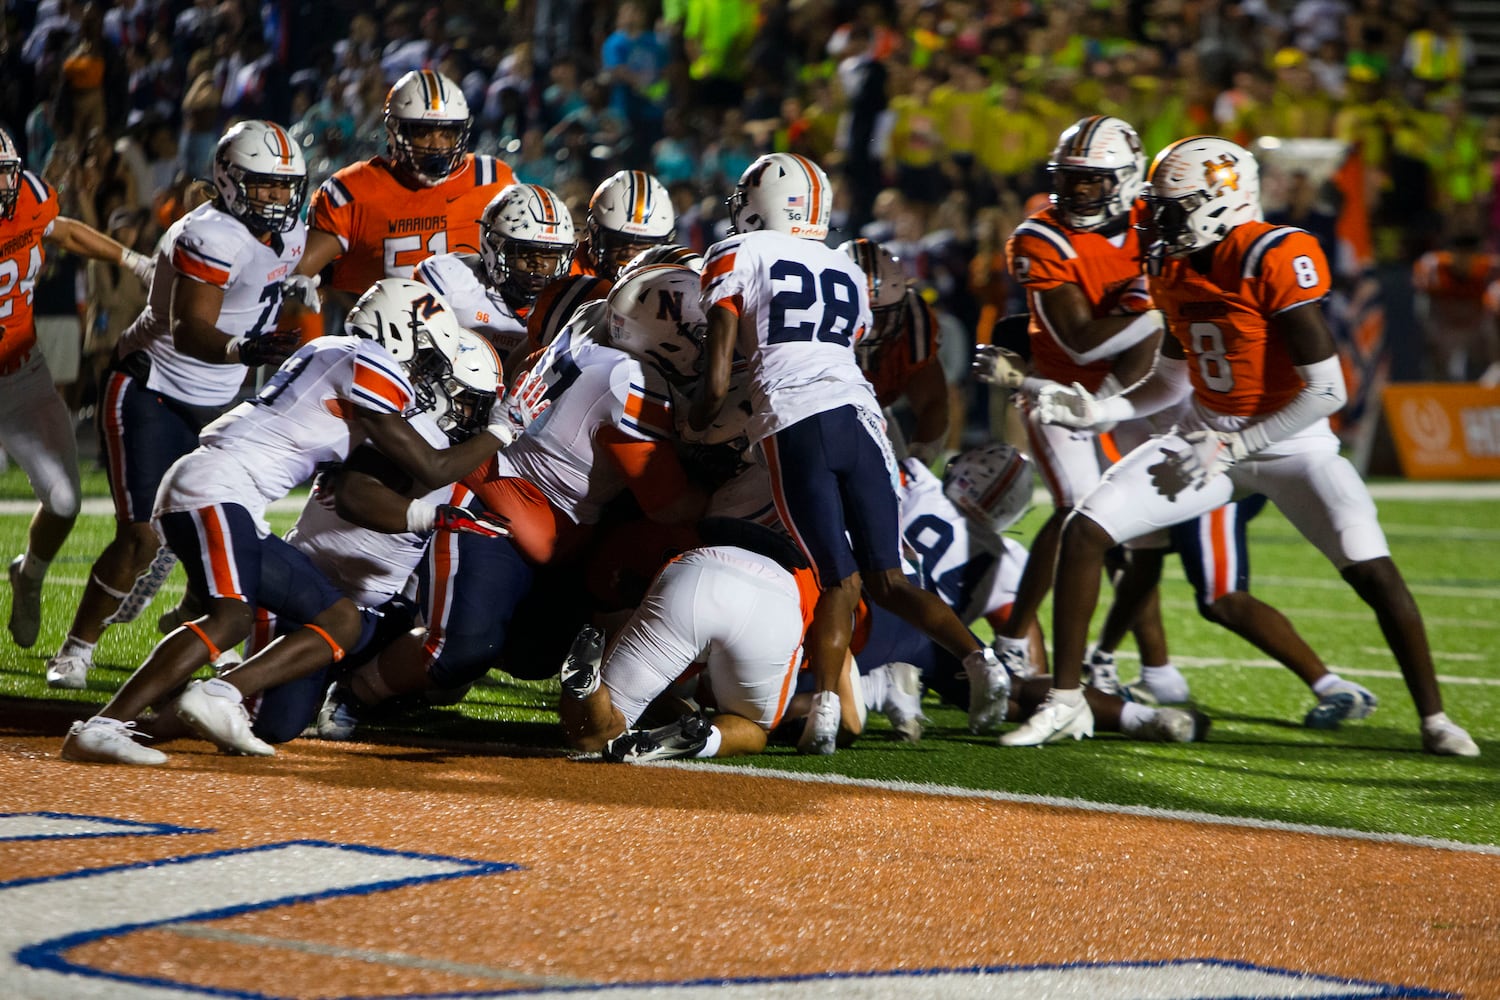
(420, 516)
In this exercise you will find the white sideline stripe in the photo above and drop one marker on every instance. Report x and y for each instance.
(1196, 662)
(1430, 589)
(1433, 621)
(376, 957)
(1184, 816)
(104, 507)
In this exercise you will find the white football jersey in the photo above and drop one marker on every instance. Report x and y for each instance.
(560, 362)
(258, 451)
(369, 567)
(811, 307)
(459, 278)
(213, 247)
(558, 450)
(974, 572)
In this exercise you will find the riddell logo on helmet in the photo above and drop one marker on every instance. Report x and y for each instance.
(1221, 172)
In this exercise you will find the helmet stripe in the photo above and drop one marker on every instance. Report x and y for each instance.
(283, 144)
(434, 88)
(640, 198)
(549, 211)
(1085, 135)
(815, 189)
(1167, 151)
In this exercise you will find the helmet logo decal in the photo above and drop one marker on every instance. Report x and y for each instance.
(669, 304)
(1221, 173)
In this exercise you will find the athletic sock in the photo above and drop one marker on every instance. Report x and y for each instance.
(876, 683)
(33, 568)
(1068, 696)
(1166, 682)
(715, 740)
(73, 646)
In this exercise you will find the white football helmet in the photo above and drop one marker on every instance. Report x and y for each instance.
(629, 212)
(665, 253)
(466, 393)
(991, 485)
(415, 324)
(887, 285)
(526, 239)
(427, 126)
(785, 193)
(654, 314)
(1103, 148)
(260, 154)
(1199, 189)
(10, 174)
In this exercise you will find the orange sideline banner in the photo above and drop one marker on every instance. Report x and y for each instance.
(1445, 430)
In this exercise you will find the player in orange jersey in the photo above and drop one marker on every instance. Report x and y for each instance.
(1252, 353)
(382, 217)
(1450, 286)
(35, 427)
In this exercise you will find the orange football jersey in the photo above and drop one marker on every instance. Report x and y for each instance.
(21, 257)
(1444, 274)
(913, 348)
(387, 228)
(1222, 318)
(1043, 253)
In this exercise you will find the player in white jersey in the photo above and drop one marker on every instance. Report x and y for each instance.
(796, 308)
(327, 398)
(526, 241)
(213, 310)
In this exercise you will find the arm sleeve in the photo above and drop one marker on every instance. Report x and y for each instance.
(1165, 385)
(1323, 394)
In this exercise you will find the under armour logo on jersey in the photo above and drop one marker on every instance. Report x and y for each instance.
(1221, 173)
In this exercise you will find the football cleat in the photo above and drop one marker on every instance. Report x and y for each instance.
(1342, 702)
(339, 715)
(68, 672)
(216, 711)
(1099, 672)
(683, 738)
(580, 669)
(821, 732)
(903, 701)
(989, 689)
(1175, 725)
(1052, 721)
(107, 741)
(1444, 737)
(25, 605)
(1015, 658)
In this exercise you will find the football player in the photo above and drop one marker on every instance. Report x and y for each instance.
(1078, 259)
(382, 217)
(213, 310)
(798, 308)
(900, 353)
(1250, 348)
(525, 243)
(211, 512)
(35, 426)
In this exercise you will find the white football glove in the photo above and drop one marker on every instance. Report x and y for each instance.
(1068, 406)
(501, 428)
(303, 290)
(142, 265)
(525, 402)
(1209, 453)
(996, 365)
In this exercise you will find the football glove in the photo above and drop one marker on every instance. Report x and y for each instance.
(268, 349)
(302, 289)
(142, 265)
(995, 365)
(449, 517)
(1209, 453)
(1068, 406)
(525, 403)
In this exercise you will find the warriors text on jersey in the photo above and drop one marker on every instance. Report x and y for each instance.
(1043, 253)
(213, 247)
(20, 262)
(1222, 318)
(260, 450)
(810, 305)
(459, 278)
(387, 228)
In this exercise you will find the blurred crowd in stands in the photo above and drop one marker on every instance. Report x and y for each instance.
(935, 118)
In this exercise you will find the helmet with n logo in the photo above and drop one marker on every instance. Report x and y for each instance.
(629, 212)
(1198, 190)
(427, 125)
(260, 155)
(10, 175)
(656, 316)
(1100, 149)
(526, 239)
(785, 193)
(990, 484)
(415, 324)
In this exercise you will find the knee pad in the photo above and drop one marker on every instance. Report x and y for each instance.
(63, 500)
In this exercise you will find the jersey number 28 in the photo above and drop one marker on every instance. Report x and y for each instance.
(812, 307)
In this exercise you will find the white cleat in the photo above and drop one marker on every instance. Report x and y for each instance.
(1342, 702)
(1015, 659)
(989, 690)
(108, 741)
(216, 711)
(70, 673)
(1446, 738)
(1053, 721)
(903, 701)
(1099, 670)
(820, 734)
(25, 605)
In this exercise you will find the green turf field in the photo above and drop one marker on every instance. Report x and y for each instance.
(1258, 761)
